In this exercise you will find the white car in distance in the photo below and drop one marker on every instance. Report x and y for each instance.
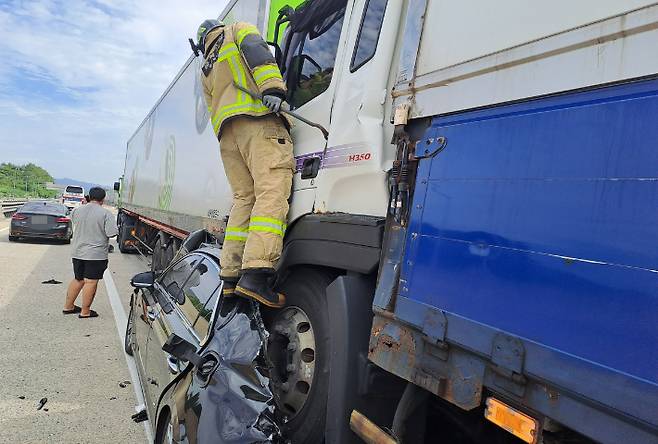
(73, 196)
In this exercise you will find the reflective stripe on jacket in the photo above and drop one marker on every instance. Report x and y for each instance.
(243, 58)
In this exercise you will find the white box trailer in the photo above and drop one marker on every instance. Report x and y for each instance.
(374, 73)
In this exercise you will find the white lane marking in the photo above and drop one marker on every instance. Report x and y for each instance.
(121, 320)
(3, 229)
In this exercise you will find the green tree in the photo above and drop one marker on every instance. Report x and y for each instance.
(24, 181)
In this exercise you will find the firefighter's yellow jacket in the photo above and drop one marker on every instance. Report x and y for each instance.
(237, 53)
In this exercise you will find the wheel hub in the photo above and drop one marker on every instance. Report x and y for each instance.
(292, 351)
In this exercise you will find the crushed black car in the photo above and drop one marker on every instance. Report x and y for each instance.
(41, 219)
(200, 356)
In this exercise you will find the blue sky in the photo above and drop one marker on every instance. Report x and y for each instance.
(77, 77)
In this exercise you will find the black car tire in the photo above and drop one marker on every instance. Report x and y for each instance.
(128, 341)
(12, 238)
(305, 289)
(162, 427)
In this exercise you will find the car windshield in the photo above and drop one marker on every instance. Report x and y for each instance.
(44, 207)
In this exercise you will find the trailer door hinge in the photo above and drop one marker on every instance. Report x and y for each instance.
(507, 359)
(430, 147)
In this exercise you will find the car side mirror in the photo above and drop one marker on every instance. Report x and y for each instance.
(117, 185)
(143, 280)
(194, 240)
(181, 349)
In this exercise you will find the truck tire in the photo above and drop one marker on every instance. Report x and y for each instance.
(304, 322)
(124, 233)
(12, 238)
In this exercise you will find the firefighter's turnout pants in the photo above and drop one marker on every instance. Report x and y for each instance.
(259, 164)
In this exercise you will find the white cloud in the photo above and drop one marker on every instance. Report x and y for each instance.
(78, 77)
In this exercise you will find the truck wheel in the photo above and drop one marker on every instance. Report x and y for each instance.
(124, 234)
(299, 350)
(12, 238)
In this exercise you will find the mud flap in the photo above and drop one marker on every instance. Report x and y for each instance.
(355, 382)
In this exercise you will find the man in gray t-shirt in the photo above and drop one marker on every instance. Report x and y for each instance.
(93, 226)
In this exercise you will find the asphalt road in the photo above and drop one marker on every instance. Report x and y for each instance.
(77, 364)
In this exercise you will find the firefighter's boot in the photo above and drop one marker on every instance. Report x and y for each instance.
(257, 284)
(228, 290)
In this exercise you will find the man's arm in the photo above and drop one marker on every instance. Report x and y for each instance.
(110, 225)
(259, 58)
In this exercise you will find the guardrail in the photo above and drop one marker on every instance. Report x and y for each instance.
(9, 206)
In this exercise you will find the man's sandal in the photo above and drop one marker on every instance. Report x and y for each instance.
(92, 314)
(74, 310)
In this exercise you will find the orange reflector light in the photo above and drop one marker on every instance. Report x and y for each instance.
(515, 422)
(133, 232)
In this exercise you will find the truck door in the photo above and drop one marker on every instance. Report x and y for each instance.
(311, 50)
(353, 174)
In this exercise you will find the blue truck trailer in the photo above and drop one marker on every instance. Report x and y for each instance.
(520, 270)
(529, 270)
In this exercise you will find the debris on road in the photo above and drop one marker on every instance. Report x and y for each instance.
(42, 402)
(21, 397)
(51, 281)
(124, 384)
(139, 416)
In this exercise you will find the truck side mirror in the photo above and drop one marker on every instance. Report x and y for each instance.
(181, 349)
(143, 280)
(117, 185)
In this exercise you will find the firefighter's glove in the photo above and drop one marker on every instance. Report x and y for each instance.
(272, 102)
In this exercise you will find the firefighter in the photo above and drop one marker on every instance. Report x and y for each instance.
(256, 149)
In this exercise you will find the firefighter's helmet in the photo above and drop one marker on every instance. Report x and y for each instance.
(204, 29)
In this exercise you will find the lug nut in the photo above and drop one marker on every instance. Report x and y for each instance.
(291, 368)
(285, 386)
(292, 346)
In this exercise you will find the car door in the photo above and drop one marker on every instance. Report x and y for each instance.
(184, 307)
(152, 313)
(143, 306)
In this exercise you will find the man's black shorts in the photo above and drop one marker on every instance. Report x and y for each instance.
(84, 269)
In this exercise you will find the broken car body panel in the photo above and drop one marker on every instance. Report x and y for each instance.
(225, 397)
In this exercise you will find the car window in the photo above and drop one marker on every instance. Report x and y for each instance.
(310, 56)
(371, 25)
(174, 279)
(200, 293)
(42, 207)
(74, 189)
